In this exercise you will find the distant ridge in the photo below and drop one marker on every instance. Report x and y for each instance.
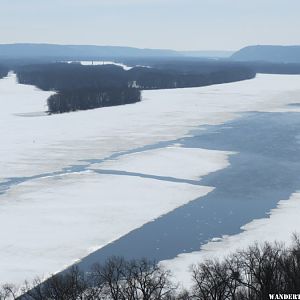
(269, 53)
(53, 50)
(208, 53)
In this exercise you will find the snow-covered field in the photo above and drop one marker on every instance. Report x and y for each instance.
(50, 220)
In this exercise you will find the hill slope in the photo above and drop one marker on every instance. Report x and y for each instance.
(52, 50)
(278, 54)
(40, 51)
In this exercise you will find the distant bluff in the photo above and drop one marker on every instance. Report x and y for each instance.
(269, 53)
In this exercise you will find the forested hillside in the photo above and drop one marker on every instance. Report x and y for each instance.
(269, 53)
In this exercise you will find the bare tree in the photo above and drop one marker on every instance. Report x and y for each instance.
(133, 280)
(109, 278)
(146, 280)
(260, 270)
(69, 286)
(8, 292)
(250, 274)
(214, 280)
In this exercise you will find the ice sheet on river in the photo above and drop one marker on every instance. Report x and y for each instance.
(41, 218)
(38, 144)
(174, 162)
(49, 223)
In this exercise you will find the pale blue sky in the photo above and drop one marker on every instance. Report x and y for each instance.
(173, 24)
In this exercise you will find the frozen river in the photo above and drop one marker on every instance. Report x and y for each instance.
(160, 178)
(264, 170)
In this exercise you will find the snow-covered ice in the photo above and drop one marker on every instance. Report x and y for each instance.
(51, 221)
(35, 144)
(20, 99)
(176, 162)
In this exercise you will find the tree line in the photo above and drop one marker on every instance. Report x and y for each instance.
(84, 87)
(275, 68)
(89, 98)
(63, 76)
(250, 274)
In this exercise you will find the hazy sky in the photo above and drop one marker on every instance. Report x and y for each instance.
(176, 24)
